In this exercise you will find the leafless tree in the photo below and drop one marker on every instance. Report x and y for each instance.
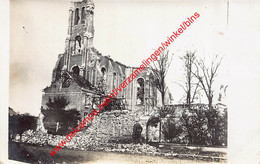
(190, 86)
(160, 68)
(206, 76)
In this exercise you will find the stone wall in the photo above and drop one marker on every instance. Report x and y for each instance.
(115, 126)
(118, 125)
(75, 60)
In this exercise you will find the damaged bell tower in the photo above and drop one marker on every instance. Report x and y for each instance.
(80, 37)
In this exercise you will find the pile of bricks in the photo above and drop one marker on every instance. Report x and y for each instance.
(87, 142)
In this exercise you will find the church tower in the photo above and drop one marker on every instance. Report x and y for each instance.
(80, 36)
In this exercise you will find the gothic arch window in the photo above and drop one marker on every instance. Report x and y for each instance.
(76, 19)
(101, 83)
(83, 15)
(77, 44)
(140, 91)
(75, 70)
(104, 72)
(114, 79)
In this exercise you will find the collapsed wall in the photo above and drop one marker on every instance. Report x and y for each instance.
(178, 124)
(115, 125)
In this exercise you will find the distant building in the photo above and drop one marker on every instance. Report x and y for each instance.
(81, 71)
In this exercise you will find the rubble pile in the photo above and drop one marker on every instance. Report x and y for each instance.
(86, 142)
(102, 135)
(40, 138)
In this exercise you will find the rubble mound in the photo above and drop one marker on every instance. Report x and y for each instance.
(86, 142)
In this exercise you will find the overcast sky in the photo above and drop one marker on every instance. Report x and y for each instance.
(128, 31)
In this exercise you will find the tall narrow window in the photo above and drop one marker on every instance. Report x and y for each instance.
(76, 19)
(103, 71)
(101, 83)
(140, 91)
(83, 15)
(77, 44)
(114, 80)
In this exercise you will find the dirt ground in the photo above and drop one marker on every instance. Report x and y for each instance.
(115, 158)
(35, 154)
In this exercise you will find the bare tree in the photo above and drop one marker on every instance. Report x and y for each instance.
(160, 68)
(190, 86)
(206, 76)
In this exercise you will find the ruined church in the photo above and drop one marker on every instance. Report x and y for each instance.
(82, 74)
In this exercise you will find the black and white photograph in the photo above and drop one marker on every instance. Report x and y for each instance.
(120, 81)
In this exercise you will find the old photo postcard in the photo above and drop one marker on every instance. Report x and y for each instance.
(95, 81)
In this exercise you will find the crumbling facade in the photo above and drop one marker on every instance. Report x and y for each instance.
(81, 71)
